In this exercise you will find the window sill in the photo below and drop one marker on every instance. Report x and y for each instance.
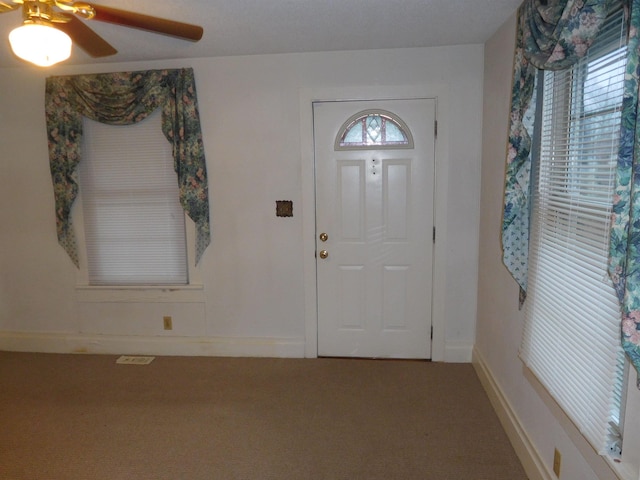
(141, 294)
(623, 471)
(603, 465)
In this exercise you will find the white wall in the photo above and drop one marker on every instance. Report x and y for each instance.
(535, 423)
(257, 294)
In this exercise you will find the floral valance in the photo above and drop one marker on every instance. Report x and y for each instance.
(123, 99)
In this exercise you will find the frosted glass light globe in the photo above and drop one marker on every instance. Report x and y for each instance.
(41, 45)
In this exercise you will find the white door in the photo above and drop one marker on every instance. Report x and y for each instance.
(374, 226)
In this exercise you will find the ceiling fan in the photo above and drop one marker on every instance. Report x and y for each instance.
(64, 16)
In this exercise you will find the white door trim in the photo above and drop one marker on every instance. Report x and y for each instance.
(309, 95)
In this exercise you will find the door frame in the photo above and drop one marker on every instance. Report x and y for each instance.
(307, 97)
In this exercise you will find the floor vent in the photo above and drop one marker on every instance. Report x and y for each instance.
(134, 360)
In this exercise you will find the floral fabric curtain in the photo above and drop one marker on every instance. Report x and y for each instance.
(551, 35)
(123, 99)
(624, 254)
(554, 35)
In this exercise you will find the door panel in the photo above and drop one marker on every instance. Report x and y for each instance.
(352, 188)
(376, 207)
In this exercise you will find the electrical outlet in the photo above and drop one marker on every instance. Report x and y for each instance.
(168, 323)
(557, 459)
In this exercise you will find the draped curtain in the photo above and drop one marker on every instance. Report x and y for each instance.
(551, 35)
(123, 99)
(554, 35)
(624, 253)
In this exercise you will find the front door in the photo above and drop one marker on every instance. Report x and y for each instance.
(374, 164)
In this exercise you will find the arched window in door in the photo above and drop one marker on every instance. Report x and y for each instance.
(373, 129)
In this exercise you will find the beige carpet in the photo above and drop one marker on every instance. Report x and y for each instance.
(77, 417)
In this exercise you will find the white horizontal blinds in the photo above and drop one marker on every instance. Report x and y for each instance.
(572, 330)
(134, 224)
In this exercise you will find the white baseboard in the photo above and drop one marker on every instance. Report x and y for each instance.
(458, 352)
(143, 345)
(279, 347)
(531, 460)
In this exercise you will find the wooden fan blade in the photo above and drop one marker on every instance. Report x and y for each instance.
(145, 22)
(85, 38)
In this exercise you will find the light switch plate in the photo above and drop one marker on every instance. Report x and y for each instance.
(284, 208)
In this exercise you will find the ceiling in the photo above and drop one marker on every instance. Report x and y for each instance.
(250, 27)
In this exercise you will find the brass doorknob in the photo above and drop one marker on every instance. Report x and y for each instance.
(323, 254)
(324, 237)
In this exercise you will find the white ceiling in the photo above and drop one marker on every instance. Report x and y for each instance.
(249, 27)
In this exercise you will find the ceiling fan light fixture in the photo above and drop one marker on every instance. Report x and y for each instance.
(42, 45)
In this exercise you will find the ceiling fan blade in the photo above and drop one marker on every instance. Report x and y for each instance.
(145, 22)
(85, 38)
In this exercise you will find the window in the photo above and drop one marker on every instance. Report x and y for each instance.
(572, 330)
(134, 225)
(373, 129)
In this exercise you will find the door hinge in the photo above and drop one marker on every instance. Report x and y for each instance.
(434, 234)
(435, 128)
(431, 332)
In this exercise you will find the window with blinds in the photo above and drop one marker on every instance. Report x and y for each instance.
(572, 330)
(133, 223)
